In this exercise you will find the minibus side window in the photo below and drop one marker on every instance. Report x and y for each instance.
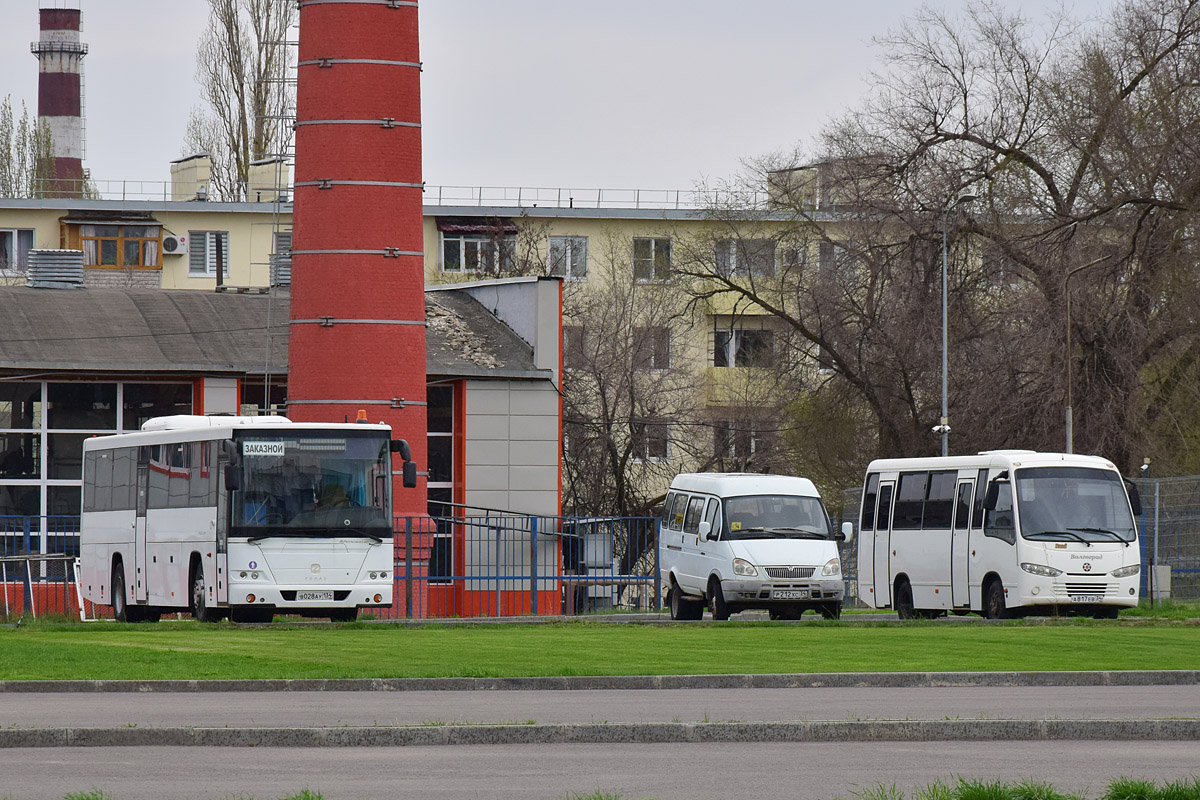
(713, 517)
(939, 504)
(666, 509)
(677, 511)
(867, 522)
(695, 510)
(980, 491)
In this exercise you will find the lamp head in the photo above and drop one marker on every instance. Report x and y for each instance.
(965, 197)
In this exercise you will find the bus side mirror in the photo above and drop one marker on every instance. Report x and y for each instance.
(992, 495)
(401, 446)
(1135, 497)
(705, 529)
(847, 533)
(410, 474)
(233, 477)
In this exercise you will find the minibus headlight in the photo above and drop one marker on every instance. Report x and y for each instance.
(744, 568)
(1039, 569)
(1125, 572)
(832, 567)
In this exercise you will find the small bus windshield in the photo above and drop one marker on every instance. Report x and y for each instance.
(1073, 504)
(767, 516)
(313, 484)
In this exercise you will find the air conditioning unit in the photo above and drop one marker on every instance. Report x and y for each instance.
(174, 245)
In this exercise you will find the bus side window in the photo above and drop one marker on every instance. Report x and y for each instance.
(999, 522)
(962, 507)
(677, 511)
(712, 516)
(867, 520)
(910, 501)
(884, 520)
(666, 509)
(977, 508)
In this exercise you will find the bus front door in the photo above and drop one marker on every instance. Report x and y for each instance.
(139, 533)
(222, 531)
(883, 544)
(959, 588)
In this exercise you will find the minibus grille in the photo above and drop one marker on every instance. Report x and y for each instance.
(790, 573)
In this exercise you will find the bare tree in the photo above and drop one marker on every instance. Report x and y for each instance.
(26, 153)
(1080, 144)
(242, 66)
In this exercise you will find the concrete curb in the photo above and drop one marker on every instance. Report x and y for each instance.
(634, 733)
(769, 681)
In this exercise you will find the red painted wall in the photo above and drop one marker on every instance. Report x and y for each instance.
(358, 179)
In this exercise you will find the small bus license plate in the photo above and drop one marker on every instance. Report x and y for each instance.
(1088, 598)
(789, 594)
(311, 596)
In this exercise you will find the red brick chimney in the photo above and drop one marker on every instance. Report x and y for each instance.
(60, 97)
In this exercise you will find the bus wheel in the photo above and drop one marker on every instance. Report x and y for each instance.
(120, 605)
(993, 601)
(831, 611)
(904, 601)
(716, 601)
(198, 601)
(675, 603)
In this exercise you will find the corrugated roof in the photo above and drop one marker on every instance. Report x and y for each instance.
(172, 331)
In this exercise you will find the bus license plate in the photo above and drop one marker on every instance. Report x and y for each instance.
(1088, 598)
(789, 594)
(314, 596)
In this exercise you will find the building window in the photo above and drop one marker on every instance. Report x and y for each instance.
(121, 246)
(574, 352)
(738, 439)
(651, 348)
(651, 259)
(15, 245)
(440, 483)
(744, 348)
(568, 257)
(746, 257)
(206, 249)
(477, 252)
(650, 440)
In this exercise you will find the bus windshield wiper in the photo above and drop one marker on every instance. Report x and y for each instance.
(362, 533)
(1074, 536)
(274, 535)
(1113, 534)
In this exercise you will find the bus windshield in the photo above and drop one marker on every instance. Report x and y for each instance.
(1073, 504)
(313, 483)
(768, 516)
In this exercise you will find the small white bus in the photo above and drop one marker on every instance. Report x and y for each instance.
(239, 516)
(1004, 533)
(734, 542)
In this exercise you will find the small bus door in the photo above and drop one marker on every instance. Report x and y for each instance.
(139, 530)
(883, 544)
(959, 587)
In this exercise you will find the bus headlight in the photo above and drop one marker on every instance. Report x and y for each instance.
(744, 568)
(1039, 569)
(1125, 572)
(832, 567)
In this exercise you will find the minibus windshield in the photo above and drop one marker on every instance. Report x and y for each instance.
(768, 516)
(1077, 504)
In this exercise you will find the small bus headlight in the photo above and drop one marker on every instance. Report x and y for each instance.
(1125, 572)
(832, 567)
(1039, 569)
(744, 568)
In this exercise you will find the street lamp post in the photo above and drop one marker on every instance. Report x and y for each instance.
(944, 423)
(1067, 292)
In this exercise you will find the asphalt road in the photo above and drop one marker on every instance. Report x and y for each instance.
(301, 709)
(553, 772)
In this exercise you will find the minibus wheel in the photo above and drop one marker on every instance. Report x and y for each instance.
(716, 600)
(904, 600)
(994, 606)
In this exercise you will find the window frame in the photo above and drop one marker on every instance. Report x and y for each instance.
(652, 264)
(576, 250)
(10, 253)
(504, 246)
(642, 439)
(120, 241)
(210, 267)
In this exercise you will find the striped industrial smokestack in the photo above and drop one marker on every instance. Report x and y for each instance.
(60, 97)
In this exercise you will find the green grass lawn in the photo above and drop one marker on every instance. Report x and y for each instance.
(185, 650)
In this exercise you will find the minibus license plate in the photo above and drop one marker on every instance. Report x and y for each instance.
(789, 594)
(1088, 598)
(311, 596)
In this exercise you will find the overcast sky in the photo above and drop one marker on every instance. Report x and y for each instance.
(651, 94)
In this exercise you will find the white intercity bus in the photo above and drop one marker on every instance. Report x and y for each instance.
(239, 516)
(1004, 533)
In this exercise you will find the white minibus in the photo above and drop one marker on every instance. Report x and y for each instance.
(239, 516)
(733, 542)
(1004, 533)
